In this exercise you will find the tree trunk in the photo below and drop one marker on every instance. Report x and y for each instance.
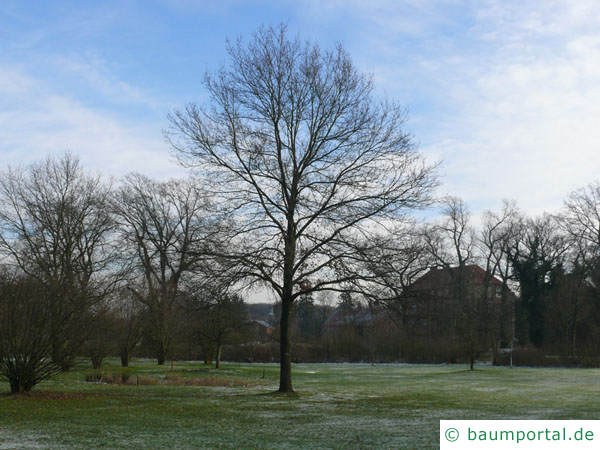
(18, 386)
(97, 361)
(15, 387)
(495, 345)
(372, 334)
(472, 353)
(125, 358)
(287, 300)
(218, 357)
(162, 350)
(161, 354)
(285, 362)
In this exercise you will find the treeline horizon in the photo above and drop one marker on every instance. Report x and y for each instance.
(95, 269)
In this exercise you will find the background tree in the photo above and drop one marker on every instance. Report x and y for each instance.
(163, 226)
(100, 342)
(296, 146)
(452, 244)
(56, 227)
(129, 318)
(581, 221)
(495, 240)
(565, 306)
(537, 254)
(221, 318)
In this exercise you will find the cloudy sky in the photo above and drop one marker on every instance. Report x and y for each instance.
(505, 93)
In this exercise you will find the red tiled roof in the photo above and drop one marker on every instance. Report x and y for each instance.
(438, 278)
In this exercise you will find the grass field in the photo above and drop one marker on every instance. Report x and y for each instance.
(336, 405)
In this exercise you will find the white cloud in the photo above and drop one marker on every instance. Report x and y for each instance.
(37, 122)
(511, 95)
(528, 121)
(13, 82)
(95, 72)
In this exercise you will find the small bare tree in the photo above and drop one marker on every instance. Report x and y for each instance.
(297, 148)
(25, 332)
(220, 318)
(452, 245)
(130, 315)
(164, 226)
(495, 240)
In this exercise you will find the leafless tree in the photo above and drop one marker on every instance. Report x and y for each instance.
(100, 342)
(220, 318)
(495, 240)
(163, 226)
(55, 226)
(452, 243)
(295, 144)
(130, 316)
(581, 221)
(25, 332)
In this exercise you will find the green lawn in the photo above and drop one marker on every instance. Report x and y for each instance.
(336, 405)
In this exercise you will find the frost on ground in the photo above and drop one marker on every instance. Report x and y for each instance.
(14, 441)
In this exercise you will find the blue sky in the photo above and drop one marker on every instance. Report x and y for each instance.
(505, 93)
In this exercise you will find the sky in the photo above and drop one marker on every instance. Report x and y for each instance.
(504, 94)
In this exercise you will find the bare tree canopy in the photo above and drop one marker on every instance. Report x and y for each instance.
(295, 144)
(163, 227)
(55, 221)
(496, 237)
(452, 241)
(581, 219)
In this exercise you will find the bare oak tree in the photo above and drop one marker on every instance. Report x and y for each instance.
(296, 146)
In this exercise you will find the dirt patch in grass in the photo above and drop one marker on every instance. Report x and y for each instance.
(166, 380)
(175, 380)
